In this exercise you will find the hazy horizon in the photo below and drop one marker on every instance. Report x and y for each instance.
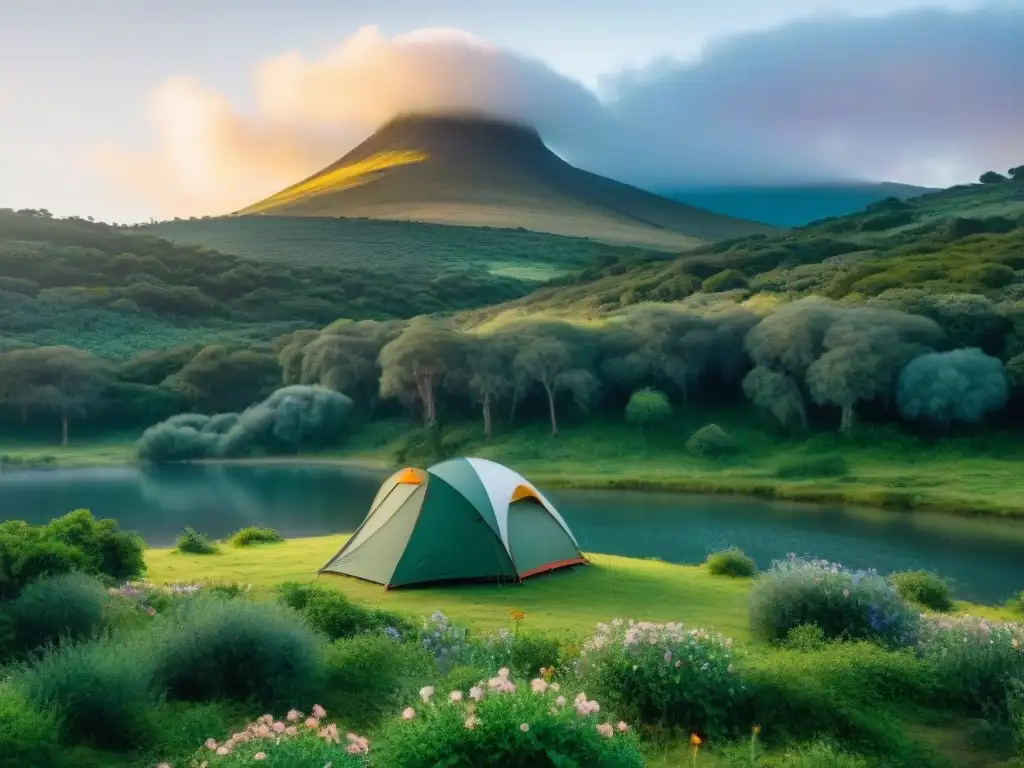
(125, 112)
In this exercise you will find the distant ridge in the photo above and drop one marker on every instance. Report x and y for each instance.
(468, 170)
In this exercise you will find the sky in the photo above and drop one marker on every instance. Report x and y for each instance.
(130, 109)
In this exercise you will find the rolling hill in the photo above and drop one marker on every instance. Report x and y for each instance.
(962, 240)
(477, 172)
(793, 205)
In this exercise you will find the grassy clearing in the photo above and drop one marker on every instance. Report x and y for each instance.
(568, 601)
(93, 450)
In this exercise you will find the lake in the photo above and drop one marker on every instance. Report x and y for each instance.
(983, 558)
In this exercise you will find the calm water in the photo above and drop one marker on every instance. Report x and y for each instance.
(984, 559)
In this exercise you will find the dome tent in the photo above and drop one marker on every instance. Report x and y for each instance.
(460, 520)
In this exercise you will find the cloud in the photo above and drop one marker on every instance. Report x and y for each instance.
(925, 96)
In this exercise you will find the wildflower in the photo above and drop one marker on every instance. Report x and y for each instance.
(455, 696)
(503, 673)
(319, 712)
(408, 713)
(260, 756)
(222, 751)
(210, 743)
(278, 727)
(517, 615)
(471, 722)
(293, 716)
(476, 693)
(622, 726)
(524, 727)
(539, 685)
(426, 692)
(560, 701)
(291, 730)
(264, 730)
(605, 729)
(695, 740)
(756, 729)
(312, 722)
(151, 611)
(846, 593)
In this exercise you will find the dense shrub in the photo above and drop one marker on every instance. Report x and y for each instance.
(648, 406)
(924, 588)
(292, 741)
(805, 637)
(846, 604)
(711, 441)
(193, 542)
(974, 660)
(499, 724)
(56, 608)
(524, 653)
(370, 675)
(101, 692)
(26, 733)
(731, 562)
(831, 465)
(963, 385)
(255, 535)
(726, 280)
(236, 649)
(330, 612)
(661, 673)
(75, 542)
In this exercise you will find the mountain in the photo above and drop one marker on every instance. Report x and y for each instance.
(793, 205)
(473, 171)
(967, 239)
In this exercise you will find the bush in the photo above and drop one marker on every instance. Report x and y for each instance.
(726, 280)
(648, 406)
(288, 742)
(524, 653)
(370, 675)
(26, 733)
(924, 588)
(235, 649)
(329, 611)
(1016, 603)
(974, 661)
(805, 637)
(193, 542)
(662, 674)
(499, 724)
(846, 605)
(74, 542)
(56, 608)
(711, 441)
(813, 466)
(255, 535)
(101, 692)
(731, 562)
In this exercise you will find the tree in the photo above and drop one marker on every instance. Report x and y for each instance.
(943, 387)
(777, 393)
(68, 381)
(345, 358)
(1016, 173)
(648, 406)
(991, 177)
(219, 379)
(490, 366)
(544, 360)
(415, 363)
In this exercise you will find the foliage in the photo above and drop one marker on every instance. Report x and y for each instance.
(805, 637)
(26, 733)
(829, 465)
(923, 588)
(974, 661)
(255, 534)
(101, 692)
(726, 280)
(237, 649)
(661, 673)
(74, 542)
(369, 676)
(293, 418)
(499, 723)
(731, 562)
(57, 608)
(822, 754)
(290, 741)
(850, 605)
(193, 542)
(711, 441)
(524, 653)
(648, 406)
(944, 387)
(330, 612)
(443, 640)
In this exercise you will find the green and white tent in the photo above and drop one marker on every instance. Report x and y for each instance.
(460, 520)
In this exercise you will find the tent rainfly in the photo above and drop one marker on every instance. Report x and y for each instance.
(460, 520)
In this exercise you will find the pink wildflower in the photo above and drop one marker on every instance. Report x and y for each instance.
(455, 695)
(260, 756)
(560, 701)
(278, 727)
(312, 722)
(291, 730)
(408, 713)
(426, 692)
(539, 685)
(1015, 643)
(622, 726)
(268, 719)
(293, 716)
(846, 593)
(263, 731)
(524, 727)
(319, 712)
(222, 751)
(210, 743)
(503, 673)
(668, 656)
(605, 729)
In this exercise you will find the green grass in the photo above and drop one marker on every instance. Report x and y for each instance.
(87, 450)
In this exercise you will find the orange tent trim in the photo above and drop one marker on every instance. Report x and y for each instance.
(552, 567)
(409, 476)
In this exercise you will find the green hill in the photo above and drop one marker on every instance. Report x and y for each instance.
(473, 171)
(966, 239)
